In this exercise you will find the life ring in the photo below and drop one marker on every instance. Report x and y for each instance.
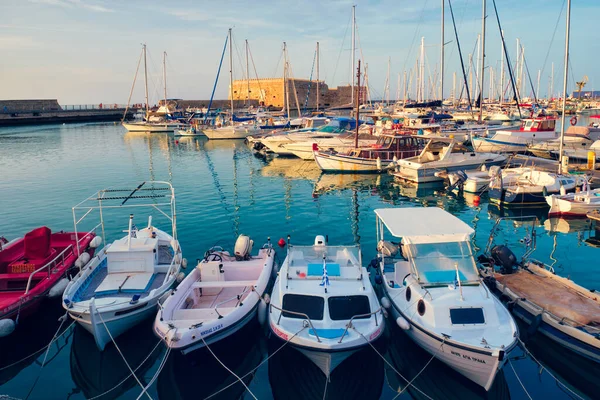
(573, 120)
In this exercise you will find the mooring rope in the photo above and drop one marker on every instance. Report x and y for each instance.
(546, 369)
(419, 373)
(258, 366)
(230, 371)
(128, 376)
(390, 365)
(158, 371)
(54, 338)
(519, 379)
(122, 356)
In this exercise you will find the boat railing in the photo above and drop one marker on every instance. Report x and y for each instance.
(349, 324)
(47, 265)
(390, 154)
(236, 297)
(175, 260)
(299, 314)
(91, 232)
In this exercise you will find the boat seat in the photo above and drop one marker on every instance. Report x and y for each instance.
(327, 333)
(317, 269)
(221, 284)
(205, 314)
(132, 282)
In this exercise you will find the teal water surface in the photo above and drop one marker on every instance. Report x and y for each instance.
(223, 190)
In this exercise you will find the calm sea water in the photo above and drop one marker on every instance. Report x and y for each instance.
(224, 190)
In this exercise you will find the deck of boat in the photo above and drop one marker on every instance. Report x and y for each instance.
(554, 296)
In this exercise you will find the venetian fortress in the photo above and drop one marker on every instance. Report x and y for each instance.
(270, 92)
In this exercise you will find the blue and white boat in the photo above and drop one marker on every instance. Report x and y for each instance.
(551, 305)
(323, 303)
(443, 155)
(532, 131)
(432, 290)
(123, 283)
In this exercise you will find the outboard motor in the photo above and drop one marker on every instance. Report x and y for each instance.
(504, 258)
(243, 248)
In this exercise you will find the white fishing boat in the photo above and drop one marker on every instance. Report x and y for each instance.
(144, 126)
(443, 155)
(554, 306)
(234, 131)
(533, 130)
(530, 186)
(219, 297)
(574, 204)
(342, 143)
(576, 138)
(323, 303)
(380, 157)
(477, 181)
(335, 128)
(191, 131)
(122, 284)
(432, 289)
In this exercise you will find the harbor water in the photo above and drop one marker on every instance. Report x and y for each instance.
(223, 190)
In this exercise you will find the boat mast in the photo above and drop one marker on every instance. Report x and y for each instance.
(404, 87)
(165, 75)
(502, 75)
(318, 92)
(146, 81)
(357, 105)
(285, 80)
(247, 74)
(552, 82)
(422, 73)
(387, 82)
(231, 73)
(442, 62)
(564, 96)
(481, 77)
(353, 47)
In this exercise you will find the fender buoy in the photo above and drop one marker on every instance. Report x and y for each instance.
(402, 323)
(573, 120)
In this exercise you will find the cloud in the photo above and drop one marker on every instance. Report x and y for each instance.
(74, 4)
(16, 42)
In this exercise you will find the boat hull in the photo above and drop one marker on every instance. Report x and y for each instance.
(142, 127)
(230, 133)
(342, 163)
(428, 174)
(478, 366)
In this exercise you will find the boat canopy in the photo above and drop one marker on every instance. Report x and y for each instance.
(424, 225)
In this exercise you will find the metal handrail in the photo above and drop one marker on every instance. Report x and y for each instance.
(233, 298)
(300, 314)
(62, 254)
(349, 324)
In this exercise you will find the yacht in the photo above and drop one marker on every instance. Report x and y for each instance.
(533, 130)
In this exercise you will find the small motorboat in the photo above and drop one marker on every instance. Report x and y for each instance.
(323, 303)
(123, 283)
(552, 305)
(443, 154)
(577, 204)
(432, 290)
(190, 131)
(220, 296)
(37, 266)
(576, 139)
(530, 186)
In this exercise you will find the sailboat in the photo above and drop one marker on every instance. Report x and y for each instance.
(231, 130)
(154, 121)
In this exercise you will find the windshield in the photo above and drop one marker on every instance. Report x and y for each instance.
(336, 126)
(437, 263)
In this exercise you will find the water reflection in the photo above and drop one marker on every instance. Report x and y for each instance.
(15, 348)
(437, 380)
(293, 376)
(199, 375)
(97, 372)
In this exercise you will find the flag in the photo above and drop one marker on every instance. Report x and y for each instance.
(325, 277)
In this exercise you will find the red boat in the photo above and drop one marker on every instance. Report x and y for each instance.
(31, 266)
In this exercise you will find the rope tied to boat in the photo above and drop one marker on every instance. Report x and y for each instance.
(123, 356)
(258, 366)
(542, 368)
(519, 379)
(395, 370)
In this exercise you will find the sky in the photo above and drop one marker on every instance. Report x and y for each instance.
(87, 51)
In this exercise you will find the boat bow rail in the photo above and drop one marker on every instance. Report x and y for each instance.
(61, 255)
